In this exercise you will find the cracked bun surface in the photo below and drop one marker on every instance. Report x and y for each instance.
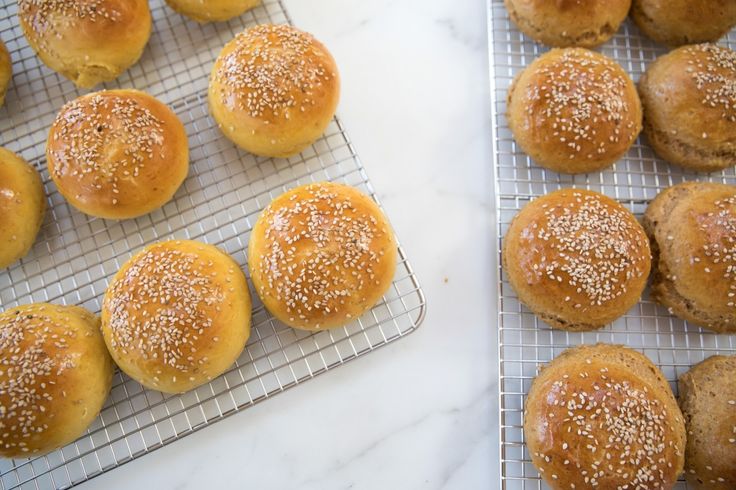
(566, 23)
(692, 228)
(55, 374)
(87, 41)
(689, 100)
(577, 259)
(603, 416)
(574, 111)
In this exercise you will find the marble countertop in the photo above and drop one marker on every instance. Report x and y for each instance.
(421, 412)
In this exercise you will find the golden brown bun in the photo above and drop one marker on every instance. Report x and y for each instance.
(55, 374)
(6, 71)
(574, 111)
(564, 23)
(117, 154)
(22, 207)
(273, 90)
(689, 112)
(321, 255)
(603, 416)
(87, 41)
(577, 259)
(176, 315)
(708, 403)
(692, 228)
(212, 10)
(678, 22)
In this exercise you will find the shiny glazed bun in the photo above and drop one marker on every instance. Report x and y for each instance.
(574, 111)
(678, 22)
(212, 10)
(22, 207)
(603, 416)
(117, 154)
(176, 315)
(577, 259)
(689, 104)
(87, 41)
(321, 255)
(692, 227)
(6, 72)
(565, 23)
(55, 374)
(273, 90)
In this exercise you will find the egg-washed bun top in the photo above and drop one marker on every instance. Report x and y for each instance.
(176, 315)
(275, 73)
(87, 41)
(603, 416)
(117, 154)
(55, 374)
(574, 110)
(6, 71)
(577, 258)
(322, 254)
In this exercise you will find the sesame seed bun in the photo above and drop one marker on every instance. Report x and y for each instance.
(692, 228)
(55, 374)
(176, 315)
(708, 402)
(87, 41)
(22, 207)
(212, 10)
(273, 90)
(678, 22)
(577, 259)
(689, 111)
(321, 255)
(6, 71)
(117, 154)
(574, 111)
(603, 416)
(565, 23)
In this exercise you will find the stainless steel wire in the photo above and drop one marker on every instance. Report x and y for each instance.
(75, 255)
(524, 342)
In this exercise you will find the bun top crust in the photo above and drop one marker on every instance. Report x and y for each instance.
(55, 374)
(691, 93)
(574, 110)
(117, 154)
(276, 74)
(176, 315)
(697, 244)
(604, 417)
(562, 23)
(321, 254)
(87, 41)
(577, 257)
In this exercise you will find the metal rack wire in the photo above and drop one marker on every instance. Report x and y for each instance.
(524, 342)
(219, 202)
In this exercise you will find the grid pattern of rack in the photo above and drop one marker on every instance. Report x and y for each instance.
(219, 202)
(525, 343)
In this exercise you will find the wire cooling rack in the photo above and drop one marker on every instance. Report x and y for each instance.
(524, 342)
(218, 203)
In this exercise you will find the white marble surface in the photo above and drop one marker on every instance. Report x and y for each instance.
(419, 413)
